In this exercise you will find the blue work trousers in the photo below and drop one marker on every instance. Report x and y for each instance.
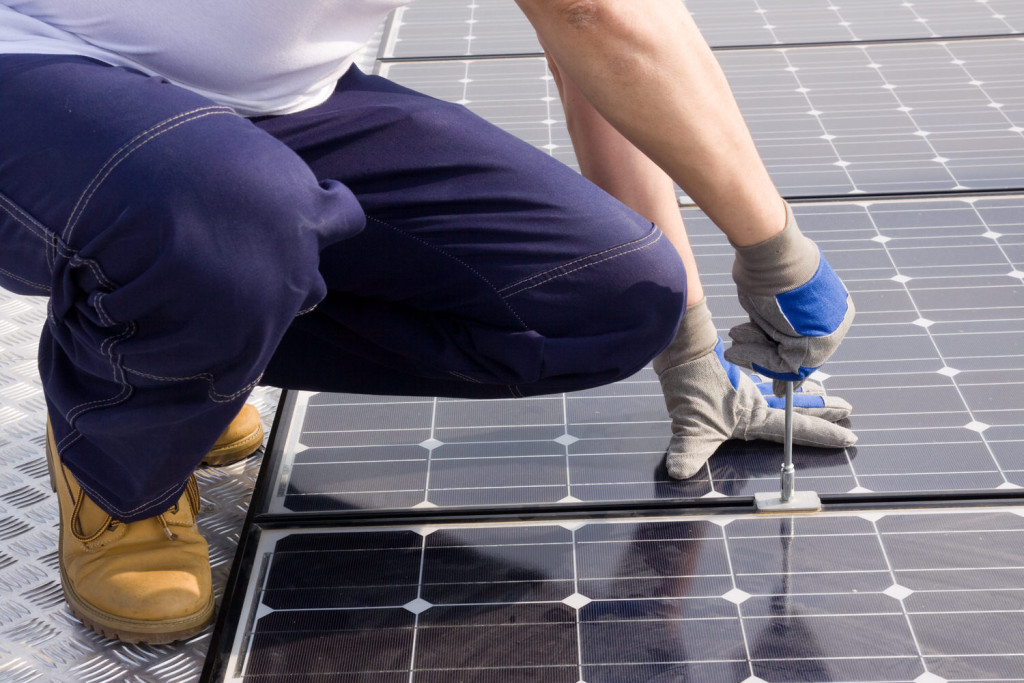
(383, 242)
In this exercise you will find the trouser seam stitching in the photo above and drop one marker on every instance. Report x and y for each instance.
(24, 281)
(94, 267)
(584, 267)
(588, 261)
(25, 218)
(101, 310)
(464, 377)
(37, 229)
(126, 151)
(107, 349)
(212, 394)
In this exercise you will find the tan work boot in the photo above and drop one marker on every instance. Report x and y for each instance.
(142, 582)
(242, 438)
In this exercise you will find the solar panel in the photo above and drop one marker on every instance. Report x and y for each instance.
(456, 28)
(866, 597)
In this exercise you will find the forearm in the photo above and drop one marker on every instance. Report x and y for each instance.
(645, 67)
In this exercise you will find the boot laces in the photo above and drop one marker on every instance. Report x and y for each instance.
(191, 493)
(171, 536)
(76, 522)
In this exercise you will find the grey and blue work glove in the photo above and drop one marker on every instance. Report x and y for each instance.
(710, 401)
(799, 309)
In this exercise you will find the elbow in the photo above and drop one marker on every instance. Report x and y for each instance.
(576, 14)
(608, 33)
(579, 14)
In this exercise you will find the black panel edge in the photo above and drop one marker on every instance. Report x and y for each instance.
(738, 505)
(869, 41)
(524, 513)
(380, 58)
(461, 58)
(233, 599)
(727, 48)
(896, 196)
(263, 493)
(929, 499)
(935, 195)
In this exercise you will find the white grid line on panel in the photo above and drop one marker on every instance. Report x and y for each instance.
(767, 25)
(565, 446)
(430, 458)
(903, 607)
(939, 353)
(739, 610)
(800, 88)
(416, 620)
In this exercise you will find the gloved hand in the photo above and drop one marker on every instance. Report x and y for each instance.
(799, 309)
(710, 400)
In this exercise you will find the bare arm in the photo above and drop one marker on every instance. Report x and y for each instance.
(645, 67)
(613, 163)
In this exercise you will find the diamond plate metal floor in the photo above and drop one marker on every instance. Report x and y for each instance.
(39, 638)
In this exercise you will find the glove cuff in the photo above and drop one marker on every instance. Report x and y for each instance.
(696, 337)
(779, 264)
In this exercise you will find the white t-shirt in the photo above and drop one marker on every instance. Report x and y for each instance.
(258, 56)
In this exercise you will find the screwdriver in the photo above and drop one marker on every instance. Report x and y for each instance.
(788, 500)
(788, 471)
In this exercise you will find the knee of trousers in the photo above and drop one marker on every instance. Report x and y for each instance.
(205, 241)
(614, 318)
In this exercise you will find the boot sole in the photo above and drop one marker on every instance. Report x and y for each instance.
(133, 630)
(118, 628)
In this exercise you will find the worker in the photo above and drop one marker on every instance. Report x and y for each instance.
(213, 197)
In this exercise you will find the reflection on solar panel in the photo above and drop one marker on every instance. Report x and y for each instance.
(432, 539)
